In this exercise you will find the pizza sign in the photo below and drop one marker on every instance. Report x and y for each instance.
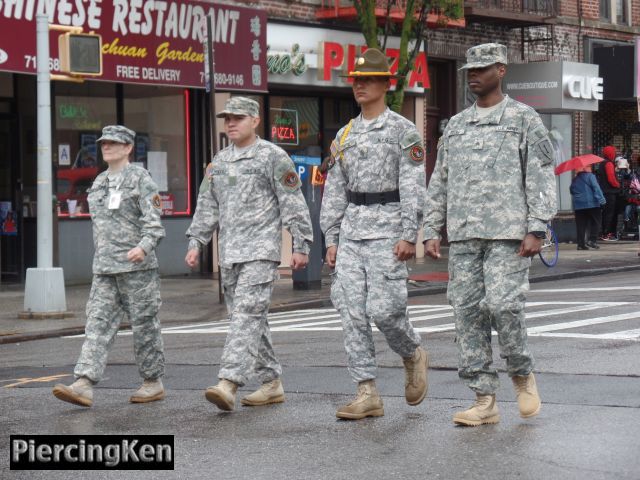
(284, 126)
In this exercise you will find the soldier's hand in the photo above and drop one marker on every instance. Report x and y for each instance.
(404, 250)
(299, 261)
(432, 248)
(330, 257)
(136, 255)
(192, 258)
(530, 246)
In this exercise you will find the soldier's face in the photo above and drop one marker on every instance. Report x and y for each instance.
(115, 152)
(483, 81)
(240, 128)
(368, 90)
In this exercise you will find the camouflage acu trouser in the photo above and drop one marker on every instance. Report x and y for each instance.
(370, 284)
(137, 295)
(248, 350)
(487, 285)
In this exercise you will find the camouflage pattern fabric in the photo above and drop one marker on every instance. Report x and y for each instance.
(370, 285)
(136, 223)
(240, 106)
(248, 351)
(137, 295)
(487, 286)
(383, 156)
(251, 196)
(493, 177)
(484, 55)
(117, 133)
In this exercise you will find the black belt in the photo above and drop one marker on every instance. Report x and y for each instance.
(372, 198)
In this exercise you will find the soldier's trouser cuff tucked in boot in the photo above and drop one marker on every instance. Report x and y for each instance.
(222, 395)
(529, 402)
(416, 381)
(268, 393)
(79, 392)
(484, 411)
(367, 403)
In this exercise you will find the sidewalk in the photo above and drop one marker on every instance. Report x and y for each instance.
(193, 299)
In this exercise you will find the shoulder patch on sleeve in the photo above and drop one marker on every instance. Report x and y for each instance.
(208, 173)
(416, 153)
(410, 138)
(285, 173)
(539, 139)
(157, 201)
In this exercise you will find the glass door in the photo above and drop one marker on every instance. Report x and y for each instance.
(10, 217)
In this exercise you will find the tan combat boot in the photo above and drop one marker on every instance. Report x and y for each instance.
(527, 395)
(79, 392)
(484, 410)
(368, 403)
(416, 379)
(150, 391)
(222, 395)
(269, 392)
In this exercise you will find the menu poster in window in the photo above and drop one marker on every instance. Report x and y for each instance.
(87, 156)
(8, 220)
(284, 126)
(141, 148)
(157, 166)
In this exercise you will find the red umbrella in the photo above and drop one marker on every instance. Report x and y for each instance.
(580, 161)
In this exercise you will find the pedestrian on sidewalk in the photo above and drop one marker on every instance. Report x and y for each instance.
(587, 204)
(371, 213)
(250, 191)
(611, 188)
(494, 186)
(125, 212)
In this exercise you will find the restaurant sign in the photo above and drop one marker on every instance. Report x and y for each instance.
(146, 41)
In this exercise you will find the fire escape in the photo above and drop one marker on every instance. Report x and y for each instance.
(345, 11)
(534, 18)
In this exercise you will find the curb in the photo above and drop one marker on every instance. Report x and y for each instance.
(326, 302)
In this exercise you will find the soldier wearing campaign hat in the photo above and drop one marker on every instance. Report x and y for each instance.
(371, 213)
(495, 188)
(125, 212)
(250, 191)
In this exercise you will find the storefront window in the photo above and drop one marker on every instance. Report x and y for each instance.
(157, 114)
(80, 113)
(559, 126)
(294, 124)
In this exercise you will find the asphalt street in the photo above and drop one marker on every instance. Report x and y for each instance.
(585, 334)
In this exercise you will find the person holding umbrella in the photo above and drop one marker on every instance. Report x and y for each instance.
(587, 203)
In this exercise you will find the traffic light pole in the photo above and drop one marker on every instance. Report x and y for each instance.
(44, 294)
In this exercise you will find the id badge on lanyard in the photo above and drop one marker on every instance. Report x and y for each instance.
(114, 199)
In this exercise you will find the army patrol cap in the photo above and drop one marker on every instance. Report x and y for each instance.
(117, 133)
(372, 63)
(484, 55)
(240, 106)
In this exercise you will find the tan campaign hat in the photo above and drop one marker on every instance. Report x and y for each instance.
(372, 63)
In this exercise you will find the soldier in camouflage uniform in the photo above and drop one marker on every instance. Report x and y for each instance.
(125, 212)
(494, 185)
(371, 214)
(250, 191)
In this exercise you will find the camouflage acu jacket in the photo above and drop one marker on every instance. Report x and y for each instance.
(494, 176)
(251, 197)
(136, 223)
(383, 156)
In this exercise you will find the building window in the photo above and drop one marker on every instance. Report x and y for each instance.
(605, 10)
(622, 14)
(157, 114)
(80, 113)
(616, 11)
